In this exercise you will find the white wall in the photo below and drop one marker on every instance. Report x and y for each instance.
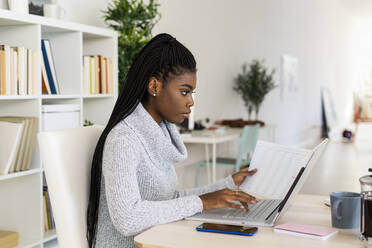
(85, 11)
(224, 34)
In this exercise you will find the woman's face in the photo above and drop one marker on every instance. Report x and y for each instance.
(174, 100)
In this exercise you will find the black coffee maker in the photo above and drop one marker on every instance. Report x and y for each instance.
(366, 209)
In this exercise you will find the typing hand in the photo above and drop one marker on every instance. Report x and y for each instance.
(225, 198)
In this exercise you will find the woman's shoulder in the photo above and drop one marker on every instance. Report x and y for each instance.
(121, 133)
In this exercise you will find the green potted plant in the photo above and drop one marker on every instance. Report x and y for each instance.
(253, 84)
(134, 21)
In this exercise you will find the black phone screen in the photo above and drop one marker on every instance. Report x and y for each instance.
(228, 228)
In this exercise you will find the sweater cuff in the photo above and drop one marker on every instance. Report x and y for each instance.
(197, 203)
(230, 182)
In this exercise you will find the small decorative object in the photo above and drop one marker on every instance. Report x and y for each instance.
(134, 21)
(4, 4)
(53, 11)
(88, 123)
(20, 6)
(289, 77)
(253, 84)
(36, 7)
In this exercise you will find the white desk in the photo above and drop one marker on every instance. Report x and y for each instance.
(211, 137)
(307, 209)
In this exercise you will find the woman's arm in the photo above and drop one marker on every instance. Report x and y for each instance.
(227, 182)
(129, 213)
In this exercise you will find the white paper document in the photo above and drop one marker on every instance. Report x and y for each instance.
(277, 167)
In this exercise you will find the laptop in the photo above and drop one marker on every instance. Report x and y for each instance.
(266, 211)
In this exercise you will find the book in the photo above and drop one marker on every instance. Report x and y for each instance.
(92, 75)
(44, 78)
(30, 142)
(35, 72)
(111, 77)
(22, 146)
(7, 69)
(14, 71)
(99, 68)
(8, 239)
(2, 71)
(106, 76)
(10, 134)
(45, 215)
(29, 72)
(86, 69)
(22, 77)
(52, 64)
(48, 69)
(306, 230)
(96, 75)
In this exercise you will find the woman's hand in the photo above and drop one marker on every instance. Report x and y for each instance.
(223, 198)
(241, 175)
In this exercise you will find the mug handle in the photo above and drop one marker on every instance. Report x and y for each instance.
(335, 207)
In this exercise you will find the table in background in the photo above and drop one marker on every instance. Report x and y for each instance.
(214, 137)
(211, 137)
(306, 209)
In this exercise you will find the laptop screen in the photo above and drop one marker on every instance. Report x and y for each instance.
(314, 156)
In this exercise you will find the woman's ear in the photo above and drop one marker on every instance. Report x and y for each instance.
(154, 87)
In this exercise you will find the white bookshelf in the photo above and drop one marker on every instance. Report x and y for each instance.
(21, 193)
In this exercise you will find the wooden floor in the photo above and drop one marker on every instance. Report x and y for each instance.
(341, 166)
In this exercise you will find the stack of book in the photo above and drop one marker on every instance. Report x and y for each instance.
(18, 136)
(98, 75)
(49, 74)
(47, 211)
(18, 71)
(8, 239)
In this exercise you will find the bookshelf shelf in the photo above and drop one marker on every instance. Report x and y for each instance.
(18, 97)
(20, 174)
(50, 235)
(69, 42)
(98, 96)
(60, 96)
(27, 243)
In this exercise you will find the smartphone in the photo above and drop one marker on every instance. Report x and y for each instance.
(229, 229)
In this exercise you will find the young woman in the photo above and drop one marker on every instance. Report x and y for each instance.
(133, 181)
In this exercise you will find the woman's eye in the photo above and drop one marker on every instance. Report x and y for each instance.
(185, 92)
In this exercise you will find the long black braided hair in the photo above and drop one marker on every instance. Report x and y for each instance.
(163, 55)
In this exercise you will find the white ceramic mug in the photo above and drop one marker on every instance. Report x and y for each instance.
(54, 11)
(4, 4)
(20, 6)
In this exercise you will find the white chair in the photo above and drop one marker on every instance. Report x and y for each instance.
(67, 156)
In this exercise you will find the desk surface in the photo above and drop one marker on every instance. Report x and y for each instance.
(307, 209)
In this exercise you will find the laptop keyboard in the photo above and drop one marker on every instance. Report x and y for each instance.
(257, 211)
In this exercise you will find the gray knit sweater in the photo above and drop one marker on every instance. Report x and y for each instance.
(138, 188)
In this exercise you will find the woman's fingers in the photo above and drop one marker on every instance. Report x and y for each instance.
(238, 195)
(245, 205)
(248, 172)
(234, 205)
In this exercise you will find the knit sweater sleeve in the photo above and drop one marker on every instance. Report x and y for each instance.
(227, 182)
(129, 213)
